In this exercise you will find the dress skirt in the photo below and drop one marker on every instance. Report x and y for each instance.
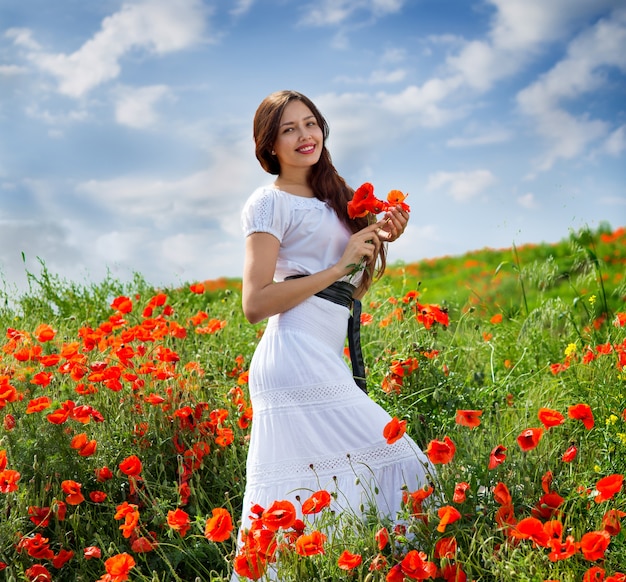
(314, 428)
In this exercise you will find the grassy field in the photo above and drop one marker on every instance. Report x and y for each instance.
(125, 420)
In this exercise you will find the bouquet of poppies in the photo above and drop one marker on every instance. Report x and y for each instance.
(364, 202)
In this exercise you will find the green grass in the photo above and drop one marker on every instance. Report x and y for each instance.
(170, 388)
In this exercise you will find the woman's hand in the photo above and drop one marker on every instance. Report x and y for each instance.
(394, 224)
(362, 246)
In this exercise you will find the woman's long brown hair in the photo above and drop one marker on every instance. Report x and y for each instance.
(324, 180)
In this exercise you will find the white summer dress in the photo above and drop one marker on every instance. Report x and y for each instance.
(313, 428)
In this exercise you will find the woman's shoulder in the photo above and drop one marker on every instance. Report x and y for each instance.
(274, 196)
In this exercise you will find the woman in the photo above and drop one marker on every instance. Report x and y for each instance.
(313, 427)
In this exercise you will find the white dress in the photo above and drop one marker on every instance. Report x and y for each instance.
(313, 428)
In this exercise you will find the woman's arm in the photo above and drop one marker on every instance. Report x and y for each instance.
(261, 297)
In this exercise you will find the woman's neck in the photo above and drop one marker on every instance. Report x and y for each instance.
(296, 185)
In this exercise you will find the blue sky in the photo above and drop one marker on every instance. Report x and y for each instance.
(126, 141)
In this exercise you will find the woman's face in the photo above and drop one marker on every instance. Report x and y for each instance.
(300, 139)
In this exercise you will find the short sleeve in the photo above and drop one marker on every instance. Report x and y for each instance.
(265, 211)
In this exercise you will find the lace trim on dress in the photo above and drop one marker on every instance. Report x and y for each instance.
(360, 463)
(312, 395)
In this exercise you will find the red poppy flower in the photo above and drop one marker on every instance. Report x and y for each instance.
(379, 562)
(594, 574)
(447, 514)
(562, 550)
(72, 490)
(415, 499)
(497, 456)
(531, 528)
(97, 496)
(453, 573)
(44, 333)
(583, 413)
(143, 545)
(349, 561)
(611, 521)
(547, 506)
(469, 418)
(395, 574)
(416, 566)
(60, 509)
(197, 288)
(446, 548)
(593, 544)
(131, 466)
(608, 486)
(505, 517)
(130, 514)
(42, 379)
(529, 438)
(382, 538)
(38, 573)
(62, 557)
(394, 430)
(281, 514)
(316, 502)
(220, 526)
(441, 452)
(103, 474)
(122, 304)
(546, 481)
(570, 454)
(38, 404)
(36, 546)
(40, 516)
(311, 544)
(397, 198)
(8, 480)
(363, 202)
(550, 418)
(92, 553)
(502, 494)
(250, 565)
(119, 566)
(459, 492)
(178, 520)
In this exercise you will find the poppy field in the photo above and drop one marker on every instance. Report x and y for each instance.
(125, 417)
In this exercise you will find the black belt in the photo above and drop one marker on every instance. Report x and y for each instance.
(340, 292)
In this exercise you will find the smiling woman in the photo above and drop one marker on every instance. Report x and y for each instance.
(314, 427)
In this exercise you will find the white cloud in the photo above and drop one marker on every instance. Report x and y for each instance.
(518, 31)
(135, 107)
(423, 103)
(580, 72)
(241, 7)
(158, 26)
(334, 12)
(461, 186)
(11, 70)
(51, 118)
(615, 144)
(22, 37)
(380, 77)
(118, 246)
(527, 201)
(210, 198)
(479, 136)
